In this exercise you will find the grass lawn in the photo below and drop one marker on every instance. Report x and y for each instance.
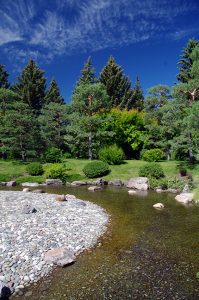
(130, 168)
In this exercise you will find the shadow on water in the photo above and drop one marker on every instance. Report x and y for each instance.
(146, 253)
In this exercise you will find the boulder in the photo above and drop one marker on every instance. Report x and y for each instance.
(132, 192)
(28, 209)
(158, 205)
(60, 198)
(101, 181)
(29, 184)
(186, 189)
(11, 183)
(159, 190)
(184, 198)
(26, 190)
(54, 182)
(173, 191)
(38, 191)
(138, 183)
(60, 256)
(116, 182)
(78, 183)
(3, 183)
(94, 188)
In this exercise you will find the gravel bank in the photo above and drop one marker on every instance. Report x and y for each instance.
(25, 238)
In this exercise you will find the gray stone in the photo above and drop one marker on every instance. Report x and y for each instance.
(101, 181)
(29, 184)
(138, 183)
(186, 189)
(11, 183)
(184, 198)
(38, 191)
(3, 183)
(78, 183)
(26, 190)
(94, 188)
(54, 182)
(28, 209)
(116, 182)
(158, 205)
(60, 256)
(68, 196)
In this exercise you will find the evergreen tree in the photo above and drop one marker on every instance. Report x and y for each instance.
(31, 86)
(3, 78)
(53, 94)
(186, 61)
(87, 74)
(137, 101)
(118, 86)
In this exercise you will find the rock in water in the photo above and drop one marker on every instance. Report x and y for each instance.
(94, 188)
(184, 198)
(158, 205)
(132, 192)
(54, 182)
(138, 183)
(26, 190)
(60, 256)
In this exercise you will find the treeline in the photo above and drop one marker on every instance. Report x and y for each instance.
(104, 111)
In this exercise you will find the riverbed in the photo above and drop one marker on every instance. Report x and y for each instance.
(146, 253)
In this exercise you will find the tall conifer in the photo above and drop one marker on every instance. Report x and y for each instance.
(53, 94)
(3, 78)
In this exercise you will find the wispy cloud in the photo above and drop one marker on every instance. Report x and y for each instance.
(56, 27)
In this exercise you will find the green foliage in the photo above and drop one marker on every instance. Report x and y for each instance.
(22, 179)
(35, 169)
(137, 101)
(182, 169)
(118, 86)
(4, 177)
(87, 74)
(3, 78)
(53, 94)
(74, 177)
(56, 171)
(152, 169)
(53, 155)
(176, 183)
(96, 169)
(113, 154)
(152, 155)
(160, 183)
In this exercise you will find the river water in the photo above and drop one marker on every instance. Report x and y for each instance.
(146, 253)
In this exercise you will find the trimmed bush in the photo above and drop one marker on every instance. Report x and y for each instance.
(112, 155)
(35, 169)
(153, 170)
(56, 172)
(96, 169)
(53, 155)
(152, 155)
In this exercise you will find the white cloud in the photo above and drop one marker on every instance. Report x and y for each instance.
(57, 27)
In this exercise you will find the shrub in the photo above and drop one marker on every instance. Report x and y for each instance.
(176, 183)
(53, 155)
(56, 172)
(182, 169)
(96, 169)
(113, 155)
(161, 183)
(153, 170)
(4, 177)
(152, 155)
(35, 169)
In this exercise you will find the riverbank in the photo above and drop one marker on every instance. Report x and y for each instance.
(32, 224)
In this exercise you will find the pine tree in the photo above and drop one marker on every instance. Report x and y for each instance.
(87, 74)
(137, 100)
(31, 86)
(53, 94)
(186, 61)
(118, 86)
(3, 78)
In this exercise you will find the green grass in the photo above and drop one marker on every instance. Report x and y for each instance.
(22, 179)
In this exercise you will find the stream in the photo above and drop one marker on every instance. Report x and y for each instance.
(145, 254)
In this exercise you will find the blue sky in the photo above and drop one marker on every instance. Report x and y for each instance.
(145, 36)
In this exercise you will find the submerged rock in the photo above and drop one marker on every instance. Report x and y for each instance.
(94, 188)
(116, 182)
(158, 205)
(184, 198)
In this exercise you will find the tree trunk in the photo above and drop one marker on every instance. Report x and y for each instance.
(90, 153)
(168, 153)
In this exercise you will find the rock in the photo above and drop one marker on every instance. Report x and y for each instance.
(26, 190)
(159, 190)
(54, 182)
(29, 184)
(116, 182)
(38, 191)
(186, 189)
(70, 196)
(60, 198)
(174, 191)
(101, 181)
(28, 209)
(184, 198)
(94, 188)
(11, 183)
(60, 256)
(3, 183)
(139, 183)
(5, 293)
(78, 183)
(158, 205)
(132, 192)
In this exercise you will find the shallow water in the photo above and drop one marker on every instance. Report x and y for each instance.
(146, 253)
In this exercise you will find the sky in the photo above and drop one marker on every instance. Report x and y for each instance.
(146, 37)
